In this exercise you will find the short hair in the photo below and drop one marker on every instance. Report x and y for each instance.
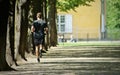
(39, 15)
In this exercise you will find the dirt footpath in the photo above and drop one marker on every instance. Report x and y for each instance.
(80, 60)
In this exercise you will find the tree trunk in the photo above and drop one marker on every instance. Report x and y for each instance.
(12, 27)
(10, 35)
(8, 48)
(52, 22)
(18, 14)
(46, 44)
(17, 27)
(24, 29)
(3, 33)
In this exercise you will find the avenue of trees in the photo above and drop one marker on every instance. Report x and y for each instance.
(16, 17)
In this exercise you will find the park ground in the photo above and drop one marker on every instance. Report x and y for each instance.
(83, 58)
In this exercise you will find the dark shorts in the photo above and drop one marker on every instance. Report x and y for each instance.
(38, 41)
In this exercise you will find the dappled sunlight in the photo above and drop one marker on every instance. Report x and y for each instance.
(74, 60)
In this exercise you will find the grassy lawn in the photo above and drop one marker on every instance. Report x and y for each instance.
(91, 43)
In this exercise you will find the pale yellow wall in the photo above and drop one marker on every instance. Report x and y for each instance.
(86, 20)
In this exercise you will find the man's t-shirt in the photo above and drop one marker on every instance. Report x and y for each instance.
(39, 26)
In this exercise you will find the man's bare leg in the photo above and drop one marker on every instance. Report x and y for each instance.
(37, 53)
(41, 47)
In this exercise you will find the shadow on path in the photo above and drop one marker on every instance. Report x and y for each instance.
(82, 60)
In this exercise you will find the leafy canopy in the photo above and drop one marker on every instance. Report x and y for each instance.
(65, 5)
(113, 13)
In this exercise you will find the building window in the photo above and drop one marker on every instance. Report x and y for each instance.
(64, 23)
(62, 27)
(62, 19)
(61, 23)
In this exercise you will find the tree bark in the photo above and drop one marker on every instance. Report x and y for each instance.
(8, 48)
(17, 27)
(3, 33)
(24, 30)
(18, 21)
(12, 27)
(46, 43)
(10, 34)
(52, 22)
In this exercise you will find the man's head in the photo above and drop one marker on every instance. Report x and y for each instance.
(39, 15)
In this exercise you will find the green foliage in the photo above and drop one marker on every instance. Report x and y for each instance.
(113, 34)
(65, 5)
(113, 14)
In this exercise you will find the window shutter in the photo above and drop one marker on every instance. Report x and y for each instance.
(68, 24)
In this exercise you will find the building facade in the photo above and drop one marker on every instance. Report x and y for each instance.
(86, 23)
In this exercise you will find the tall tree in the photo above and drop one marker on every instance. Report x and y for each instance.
(24, 29)
(10, 34)
(20, 18)
(52, 22)
(46, 42)
(3, 33)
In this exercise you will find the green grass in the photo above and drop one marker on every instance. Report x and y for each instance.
(97, 43)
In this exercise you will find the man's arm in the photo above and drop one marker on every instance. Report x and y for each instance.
(32, 29)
